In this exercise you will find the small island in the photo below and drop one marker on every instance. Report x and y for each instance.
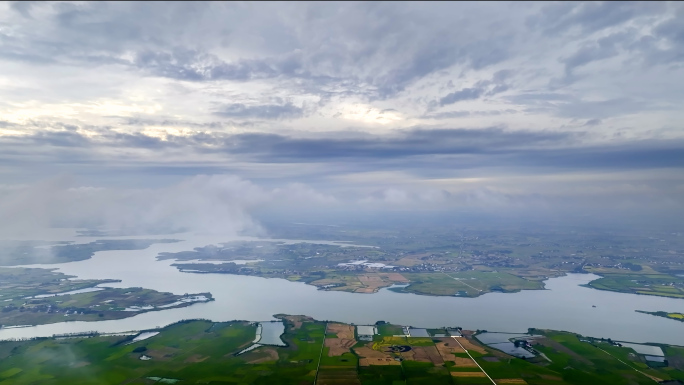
(673, 316)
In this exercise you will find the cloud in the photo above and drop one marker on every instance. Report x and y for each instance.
(297, 97)
(285, 159)
(217, 204)
(23, 7)
(591, 16)
(602, 109)
(601, 49)
(192, 65)
(267, 111)
(464, 94)
(491, 87)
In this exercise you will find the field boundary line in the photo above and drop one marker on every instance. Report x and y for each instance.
(628, 365)
(471, 357)
(461, 281)
(320, 355)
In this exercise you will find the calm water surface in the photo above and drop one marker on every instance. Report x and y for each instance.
(564, 306)
(271, 332)
(502, 342)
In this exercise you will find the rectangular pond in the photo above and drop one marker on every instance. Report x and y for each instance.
(503, 342)
(648, 350)
(417, 332)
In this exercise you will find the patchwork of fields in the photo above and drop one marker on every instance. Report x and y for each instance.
(326, 353)
(663, 285)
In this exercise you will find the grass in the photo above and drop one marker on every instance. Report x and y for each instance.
(420, 341)
(388, 330)
(599, 362)
(663, 285)
(664, 314)
(204, 352)
(469, 283)
(425, 373)
(381, 375)
(345, 360)
(109, 303)
(18, 284)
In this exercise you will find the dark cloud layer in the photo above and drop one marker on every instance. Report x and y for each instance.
(490, 102)
(444, 148)
(464, 94)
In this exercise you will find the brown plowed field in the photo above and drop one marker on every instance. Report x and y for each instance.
(265, 354)
(374, 357)
(344, 341)
(297, 320)
(342, 330)
(463, 362)
(470, 345)
(468, 374)
(447, 347)
(410, 355)
(372, 282)
(427, 354)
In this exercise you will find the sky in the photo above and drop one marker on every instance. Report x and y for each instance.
(136, 113)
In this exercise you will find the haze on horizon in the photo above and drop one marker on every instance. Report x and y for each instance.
(138, 114)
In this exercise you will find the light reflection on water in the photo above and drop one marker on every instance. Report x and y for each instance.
(501, 341)
(271, 332)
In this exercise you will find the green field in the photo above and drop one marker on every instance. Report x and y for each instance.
(664, 314)
(18, 284)
(663, 285)
(468, 283)
(203, 352)
(465, 260)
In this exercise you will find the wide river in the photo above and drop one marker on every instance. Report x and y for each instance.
(563, 306)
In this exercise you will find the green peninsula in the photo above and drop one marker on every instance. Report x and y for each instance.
(40, 296)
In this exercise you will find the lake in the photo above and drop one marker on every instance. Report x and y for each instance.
(565, 305)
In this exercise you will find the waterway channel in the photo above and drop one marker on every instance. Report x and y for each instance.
(565, 305)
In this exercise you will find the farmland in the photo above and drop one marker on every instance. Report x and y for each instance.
(468, 283)
(663, 285)
(466, 261)
(318, 352)
(41, 296)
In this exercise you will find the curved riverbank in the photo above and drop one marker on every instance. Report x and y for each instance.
(565, 305)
